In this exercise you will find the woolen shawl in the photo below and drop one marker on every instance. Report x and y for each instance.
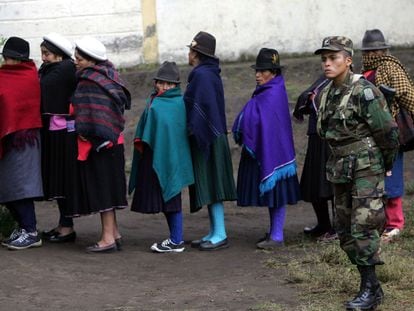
(204, 100)
(99, 102)
(57, 82)
(163, 127)
(19, 99)
(264, 128)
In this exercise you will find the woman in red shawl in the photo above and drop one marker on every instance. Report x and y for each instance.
(20, 173)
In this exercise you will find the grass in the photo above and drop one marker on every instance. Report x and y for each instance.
(325, 278)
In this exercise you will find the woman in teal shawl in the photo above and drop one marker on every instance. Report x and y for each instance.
(162, 164)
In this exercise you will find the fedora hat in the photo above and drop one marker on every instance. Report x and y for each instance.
(16, 48)
(267, 59)
(374, 40)
(168, 72)
(336, 43)
(204, 43)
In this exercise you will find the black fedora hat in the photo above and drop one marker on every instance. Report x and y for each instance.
(168, 72)
(374, 40)
(267, 59)
(16, 48)
(204, 43)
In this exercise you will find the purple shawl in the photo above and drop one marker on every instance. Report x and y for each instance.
(204, 101)
(264, 128)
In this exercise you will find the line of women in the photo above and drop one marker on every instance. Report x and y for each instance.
(180, 141)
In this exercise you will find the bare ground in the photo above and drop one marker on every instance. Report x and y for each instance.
(64, 277)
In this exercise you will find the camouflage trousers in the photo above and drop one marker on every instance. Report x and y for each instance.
(360, 218)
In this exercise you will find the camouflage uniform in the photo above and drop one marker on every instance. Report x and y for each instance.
(356, 122)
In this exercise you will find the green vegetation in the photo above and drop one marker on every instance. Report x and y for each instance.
(325, 278)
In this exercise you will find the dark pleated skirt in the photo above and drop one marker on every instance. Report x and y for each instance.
(313, 182)
(285, 192)
(148, 194)
(100, 184)
(59, 153)
(214, 181)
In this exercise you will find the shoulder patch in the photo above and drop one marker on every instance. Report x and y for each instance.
(369, 94)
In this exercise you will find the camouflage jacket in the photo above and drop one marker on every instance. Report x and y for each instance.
(356, 122)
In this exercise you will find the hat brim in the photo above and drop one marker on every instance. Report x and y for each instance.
(319, 51)
(266, 67)
(57, 44)
(201, 52)
(374, 48)
(10, 54)
(166, 80)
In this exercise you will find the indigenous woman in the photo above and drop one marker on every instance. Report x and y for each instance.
(162, 166)
(99, 102)
(20, 173)
(58, 82)
(267, 172)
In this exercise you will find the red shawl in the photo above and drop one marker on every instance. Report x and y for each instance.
(19, 99)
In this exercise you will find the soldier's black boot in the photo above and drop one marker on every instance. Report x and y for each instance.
(370, 294)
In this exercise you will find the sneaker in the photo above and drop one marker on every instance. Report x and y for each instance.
(13, 236)
(327, 237)
(168, 246)
(25, 240)
(389, 234)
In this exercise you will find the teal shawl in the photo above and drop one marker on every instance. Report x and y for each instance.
(163, 126)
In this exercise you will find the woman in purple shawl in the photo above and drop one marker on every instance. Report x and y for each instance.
(267, 172)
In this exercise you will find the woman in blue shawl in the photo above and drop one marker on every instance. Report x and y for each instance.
(206, 121)
(162, 166)
(267, 172)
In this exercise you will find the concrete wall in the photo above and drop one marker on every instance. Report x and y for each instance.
(146, 31)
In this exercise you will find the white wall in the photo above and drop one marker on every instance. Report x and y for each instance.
(117, 23)
(243, 27)
(240, 26)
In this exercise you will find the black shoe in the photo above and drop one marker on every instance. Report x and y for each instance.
(49, 233)
(101, 249)
(315, 231)
(118, 243)
(370, 294)
(197, 243)
(208, 246)
(58, 238)
(266, 237)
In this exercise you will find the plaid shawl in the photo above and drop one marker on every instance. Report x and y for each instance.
(391, 72)
(99, 102)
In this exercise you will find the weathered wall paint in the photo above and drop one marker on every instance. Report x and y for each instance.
(146, 31)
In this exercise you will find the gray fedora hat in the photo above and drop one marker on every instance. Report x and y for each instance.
(374, 40)
(168, 72)
(204, 43)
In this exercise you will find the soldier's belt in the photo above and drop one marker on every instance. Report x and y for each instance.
(353, 148)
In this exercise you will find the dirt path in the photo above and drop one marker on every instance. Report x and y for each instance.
(64, 277)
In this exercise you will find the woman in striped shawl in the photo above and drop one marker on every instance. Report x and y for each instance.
(99, 103)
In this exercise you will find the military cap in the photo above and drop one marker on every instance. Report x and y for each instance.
(336, 43)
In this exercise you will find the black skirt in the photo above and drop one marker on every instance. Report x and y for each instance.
(59, 153)
(148, 194)
(313, 182)
(286, 191)
(100, 183)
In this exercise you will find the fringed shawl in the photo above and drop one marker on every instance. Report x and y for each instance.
(264, 128)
